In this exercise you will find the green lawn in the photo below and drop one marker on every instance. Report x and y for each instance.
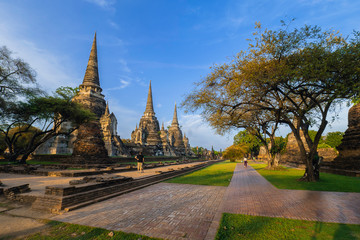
(59, 230)
(238, 226)
(218, 174)
(42, 162)
(148, 162)
(287, 179)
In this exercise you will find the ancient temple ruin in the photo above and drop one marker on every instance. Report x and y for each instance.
(100, 138)
(349, 149)
(150, 139)
(91, 97)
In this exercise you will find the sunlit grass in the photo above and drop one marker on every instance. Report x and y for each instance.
(219, 174)
(238, 226)
(287, 179)
(59, 230)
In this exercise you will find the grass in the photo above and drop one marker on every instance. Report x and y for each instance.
(238, 226)
(41, 162)
(218, 174)
(5, 163)
(58, 230)
(148, 162)
(287, 179)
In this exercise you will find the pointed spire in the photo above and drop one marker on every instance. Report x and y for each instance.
(107, 112)
(149, 104)
(175, 119)
(162, 127)
(91, 77)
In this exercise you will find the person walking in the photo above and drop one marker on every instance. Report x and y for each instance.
(245, 161)
(140, 162)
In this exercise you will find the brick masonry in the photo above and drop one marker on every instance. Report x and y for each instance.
(165, 210)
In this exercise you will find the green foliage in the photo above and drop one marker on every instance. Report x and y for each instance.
(333, 139)
(23, 140)
(59, 230)
(49, 112)
(251, 141)
(198, 150)
(45, 108)
(66, 93)
(238, 226)
(235, 152)
(328, 182)
(279, 146)
(219, 174)
(289, 75)
(323, 145)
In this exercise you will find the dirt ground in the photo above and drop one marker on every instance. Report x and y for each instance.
(18, 221)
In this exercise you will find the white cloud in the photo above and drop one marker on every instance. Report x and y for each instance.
(113, 24)
(123, 84)
(202, 135)
(102, 3)
(124, 66)
(50, 68)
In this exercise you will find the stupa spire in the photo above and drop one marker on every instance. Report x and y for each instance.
(91, 77)
(149, 104)
(107, 111)
(162, 127)
(175, 119)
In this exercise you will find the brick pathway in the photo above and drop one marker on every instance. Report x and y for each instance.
(165, 210)
(249, 193)
(178, 211)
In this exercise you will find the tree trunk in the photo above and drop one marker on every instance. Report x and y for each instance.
(11, 157)
(24, 158)
(272, 161)
(277, 159)
(309, 175)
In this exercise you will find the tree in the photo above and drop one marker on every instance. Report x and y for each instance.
(235, 152)
(333, 139)
(251, 141)
(50, 113)
(17, 80)
(292, 76)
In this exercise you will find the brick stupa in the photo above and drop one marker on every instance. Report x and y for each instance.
(89, 145)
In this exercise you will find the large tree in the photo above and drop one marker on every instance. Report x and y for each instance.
(17, 80)
(295, 76)
(46, 113)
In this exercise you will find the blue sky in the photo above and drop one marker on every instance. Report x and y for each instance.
(170, 42)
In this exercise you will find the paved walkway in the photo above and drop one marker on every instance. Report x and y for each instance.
(249, 193)
(164, 210)
(181, 211)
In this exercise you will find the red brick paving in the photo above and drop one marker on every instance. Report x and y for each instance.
(165, 210)
(249, 193)
(181, 211)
